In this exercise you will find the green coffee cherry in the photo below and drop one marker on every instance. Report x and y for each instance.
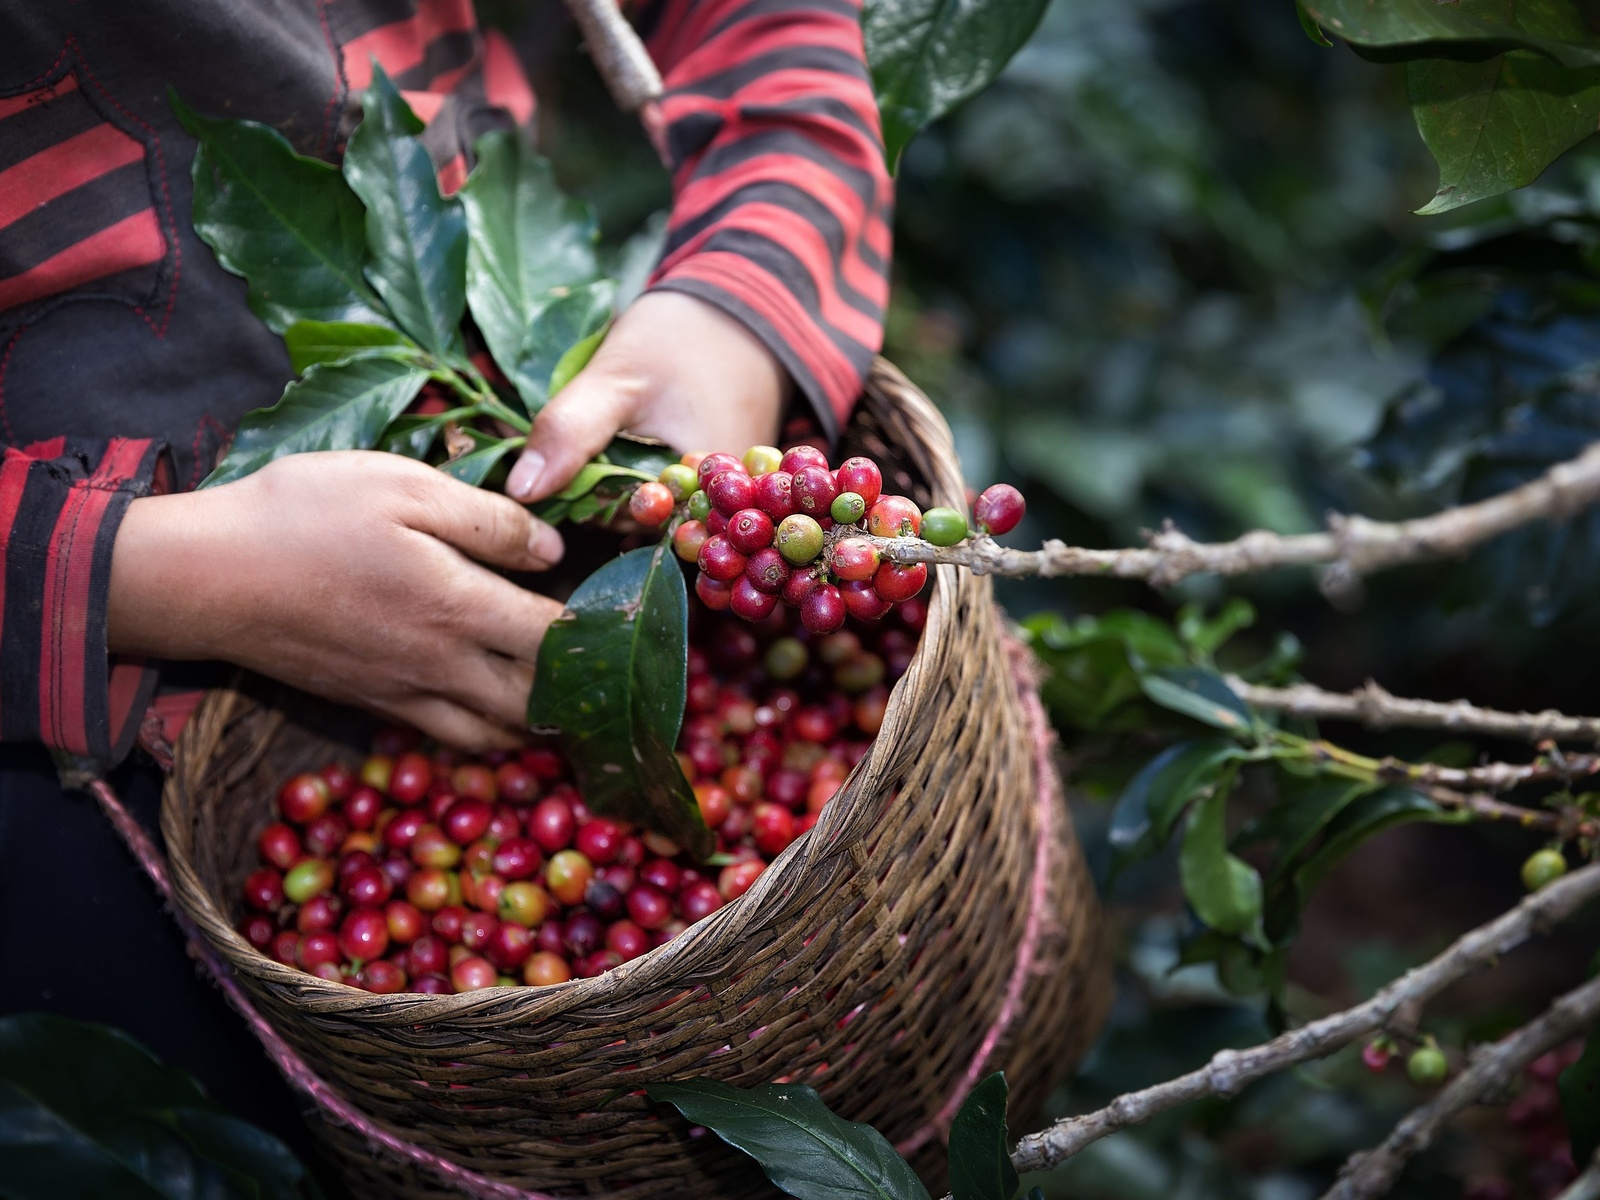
(762, 460)
(848, 508)
(1427, 1066)
(699, 506)
(680, 481)
(943, 526)
(799, 539)
(1542, 867)
(786, 658)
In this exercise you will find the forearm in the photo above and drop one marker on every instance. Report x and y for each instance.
(166, 567)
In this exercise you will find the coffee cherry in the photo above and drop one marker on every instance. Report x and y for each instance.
(400, 832)
(258, 929)
(279, 845)
(475, 781)
(315, 949)
(476, 930)
(627, 939)
(814, 491)
(713, 593)
(431, 888)
(411, 778)
(735, 879)
(772, 828)
(304, 798)
(720, 561)
(713, 465)
(750, 530)
(517, 858)
(999, 508)
(731, 491)
(1427, 1067)
(862, 601)
(382, 976)
(894, 516)
(473, 974)
(428, 955)
(680, 481)
(799, 539)
(285, 947)
(762, 460)
(552, 825)
(798, 457)
(364, 935)
(823, 609)
(1543, 867)
(406, 922)
(900, 581)
(306, 878)
(597, 963)
(509, 946)
(432, 985)
(1375, 1056)
(525, 903)
(484, 893)
(775, 494)
(847, 508)
(263, 889)
(567, 874)
(366, 888)
(751, 604)
(544, 969)
(649, 906)
(324, 836)
(363, 807)
(698, 900)
(376, 770)
(698, 506)
(478, 858)
(584, 934)
(767, 571)
(861, 476)
(600, 840)
(466, 821)
(798, 586)
(341, 780)
(786, 658)
(943, 526)
(450, 923)
(869, 710)
(714, 801)
(854, 558)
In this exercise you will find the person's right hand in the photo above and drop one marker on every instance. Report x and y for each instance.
(348, 574)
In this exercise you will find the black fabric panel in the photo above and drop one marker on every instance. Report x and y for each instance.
(41, 126)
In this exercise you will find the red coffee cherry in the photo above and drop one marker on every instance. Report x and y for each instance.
(713, 465)
(814, 491)
(798, 586)
(999, 508)
(802, 456)
(713, 593)
(854, 558)
(363, 807)
(280, 845)
(720, 561)
(750, 530)
(766, 570)
(544, 969)
(750, 603)
(861, 476)
(899, 581)
(627, 939)
(894, 516)
(364, 935)
(731, 491)
(861, 601)
(775, 494)
(735, 880)
(823, 609)
(410, 779)
(687, 540)
(651, 503)
(304, 798)
(473, 974)
(263, 889)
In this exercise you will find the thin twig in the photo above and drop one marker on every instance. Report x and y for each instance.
(1495, 776)
(1567, 823)
(1492, 1068)
(1587, 1185)
(1352, 546)
(619, 56)
(1376, 708)
(1229, 1070)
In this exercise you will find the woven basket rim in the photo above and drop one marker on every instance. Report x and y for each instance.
(927, 437)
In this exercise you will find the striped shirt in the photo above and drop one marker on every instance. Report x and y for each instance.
(127, 355)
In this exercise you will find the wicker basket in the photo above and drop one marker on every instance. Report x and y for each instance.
(909, 944)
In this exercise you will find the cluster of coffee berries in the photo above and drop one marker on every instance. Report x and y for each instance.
(782, 527)
(1539, 1135)
(426, 871)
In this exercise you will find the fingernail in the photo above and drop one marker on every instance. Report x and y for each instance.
(524, 476)
(545, 544)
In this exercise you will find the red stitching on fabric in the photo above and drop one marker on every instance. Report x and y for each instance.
(5, 361)
(44, 74)
(166, 189)
(206, 421)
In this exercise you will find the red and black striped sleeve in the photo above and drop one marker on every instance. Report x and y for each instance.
(61, 503)
(781, 198)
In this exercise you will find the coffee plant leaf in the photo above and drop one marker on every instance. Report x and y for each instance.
(416, 238)
(927, 56)
(646, 457)
(1199, 693)
(1579, 1086)
(289, 225)
(1471, 29)
(610, 680)
(1148, 807)
(1363, 818)
(980, 1160)
(525, 240)
(1496, 125)
(1309, 24)
(474, 466)
(1304, 809)
(87, 1111)
(343, 406)
(312, 342)
(576, 359)
(805, 1149)
(1223, 890)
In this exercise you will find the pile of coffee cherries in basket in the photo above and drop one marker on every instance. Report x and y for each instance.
(778, 526)
(424, 870)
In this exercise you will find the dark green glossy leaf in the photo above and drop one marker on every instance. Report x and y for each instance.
(1364, 817)
(1579, 1085)
(1224, 891)
(1302, 812)
(1094, 661)
(526, 240)
(927, 56)
(575, 359)
(1198, 693)
(312, 342)
(980, 1156)
(566, 329)
(346, 406)
(649, 457)
(1494, 126)
(474, 466)
(611, 680)
(288, 224)
(802, 1146)
(1309, 24)
(416, 238)
(87, 1111)
(1428, 29)
(1151, 802)
(413, 434)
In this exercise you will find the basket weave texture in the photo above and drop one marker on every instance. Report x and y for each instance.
(869, 961)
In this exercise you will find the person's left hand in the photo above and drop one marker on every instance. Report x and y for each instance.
(672, 367)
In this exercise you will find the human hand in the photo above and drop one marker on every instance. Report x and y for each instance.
(672, 367)
(349, 574)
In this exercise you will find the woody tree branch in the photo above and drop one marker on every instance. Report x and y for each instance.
(619, 56)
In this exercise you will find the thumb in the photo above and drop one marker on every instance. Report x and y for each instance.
(488, 527)
(570, 430)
